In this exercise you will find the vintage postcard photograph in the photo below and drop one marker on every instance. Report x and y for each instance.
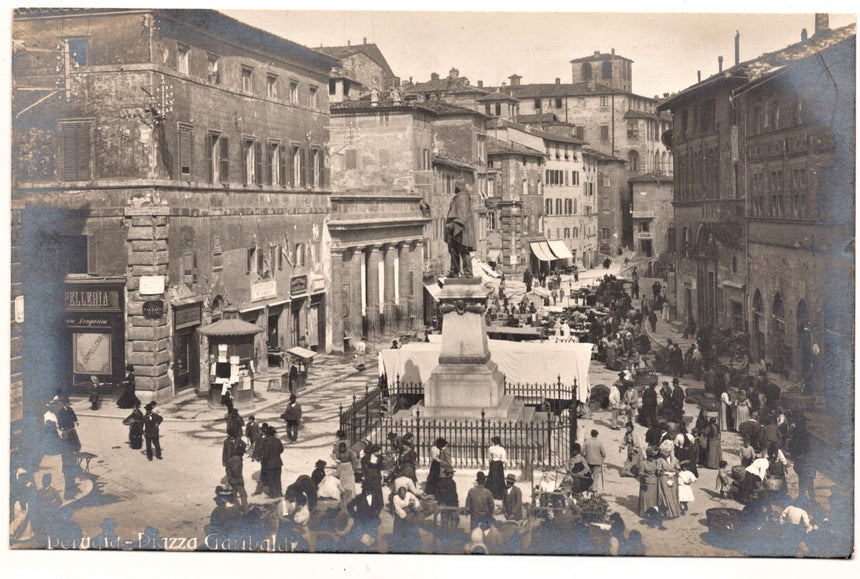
(431, 282)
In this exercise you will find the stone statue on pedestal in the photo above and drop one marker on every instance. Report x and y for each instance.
(460, 231)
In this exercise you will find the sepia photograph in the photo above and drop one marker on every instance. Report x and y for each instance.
(431, 283)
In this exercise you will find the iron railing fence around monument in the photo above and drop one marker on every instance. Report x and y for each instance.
(544, 440)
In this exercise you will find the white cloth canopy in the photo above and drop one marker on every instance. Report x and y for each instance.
(560, 249)
(521, 362)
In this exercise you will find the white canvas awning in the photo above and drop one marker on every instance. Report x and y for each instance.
(560, 249)
(542, 251)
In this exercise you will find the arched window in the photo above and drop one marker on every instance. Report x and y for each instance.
(586, 71)
(217, 308)
(607, 69)
(567, 232)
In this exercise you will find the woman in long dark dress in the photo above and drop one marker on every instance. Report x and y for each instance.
(648, 482)
(134, 421)
(128, 399)
(496, 478)
(667, 484)
(715, 451)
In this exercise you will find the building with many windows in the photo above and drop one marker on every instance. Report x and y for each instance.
(764, 207)
(168, 165)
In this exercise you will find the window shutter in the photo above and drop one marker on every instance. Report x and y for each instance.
(303, 163)
(70, 153)
(225, 159)
(210, 161)
(185, 145)
(282, 162)
(245, 176)
(312, 168)
(258, 161)
(83, 153)
(92, 254)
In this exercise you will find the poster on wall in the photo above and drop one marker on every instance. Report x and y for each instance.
(92, 353)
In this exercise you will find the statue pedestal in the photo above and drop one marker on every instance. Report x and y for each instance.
(466, 380)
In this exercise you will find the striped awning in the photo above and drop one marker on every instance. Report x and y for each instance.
(542, 251)
(560, 249)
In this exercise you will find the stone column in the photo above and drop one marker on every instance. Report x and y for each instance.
(404, 276)
(373, 306)
(147, 340)
(337, 300)
(416, 271)
(353, 273)
(388, 289)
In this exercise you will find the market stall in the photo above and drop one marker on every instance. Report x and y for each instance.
(300, 360)
(231, 340)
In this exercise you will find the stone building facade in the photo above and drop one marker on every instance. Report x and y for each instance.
(796, 138)
(182, 164)
(612, 199)
(652, 214)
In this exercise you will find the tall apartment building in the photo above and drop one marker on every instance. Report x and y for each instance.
(168, 165)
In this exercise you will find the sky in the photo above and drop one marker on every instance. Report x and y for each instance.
(667, 48)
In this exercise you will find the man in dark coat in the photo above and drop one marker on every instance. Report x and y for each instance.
(513, 499)
(460, 232)
(479, 502)
(271, 463)
(649, 405)
(293, 416)
(677, 399)
(151, 422)
(235, 424)
(446, 496)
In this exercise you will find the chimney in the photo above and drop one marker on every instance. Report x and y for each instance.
(613, 52)
(804, 35)
(822, 23)
(364, 40)
(410, 80)
(557, 80)
(737, 47)
(720, 61)
(480, 84)
(453, 73)
(699, 74)
(596, 53)
(348, 42)
(434, 76)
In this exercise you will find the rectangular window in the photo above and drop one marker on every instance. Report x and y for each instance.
(76, 143)
(487, 108)
(558, 209)
(351, 159)
(537, 105)
(249, 161)
(275, 165)
(272, 86)
(77, 250)
(182, 51)
(604, 101)
(606, 233)
(548, 209)
(606, 181)
(558, 103)
(250, 259)
(247, 79)
(576, 177)
(315, 168)
(294, 91)
(298, 178)
(580, 133)
(213, 69)
(632, 129)
(189, 268)
(218, 158)
(604, 133)
(498, 109)
(77, 48)
(314, 97)
(186, 150)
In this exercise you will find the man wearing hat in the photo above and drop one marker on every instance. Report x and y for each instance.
(479, 502)
(271, 463)
(293, 416)
(151, 422)
(446, 496)
(677, 399)
(513, 499)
